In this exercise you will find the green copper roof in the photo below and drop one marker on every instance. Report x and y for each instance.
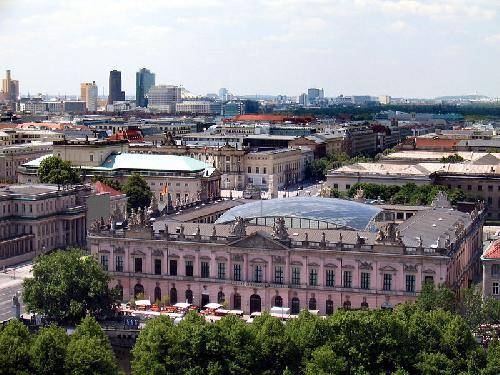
(153, 162)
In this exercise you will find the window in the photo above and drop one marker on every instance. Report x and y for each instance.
(249, 170)
(104, 262)
(429, 279)
(490, 188)
(237, 272)
(495, 269)
(330, 278)
(410, 283)
(313, 276)
(257, 274)
(312, 303)
(257, 170)
(295, 275)
(278, 301)
(221, 297)
(205, 270)
(237, 302)
(137, 264)
(469, 187)
(265, 170)
(189, 268)
(91, 157)
(387, 281)
(329, 307)
(157, 266)
(119, 263)
(335, 186)
(494, 289)
(365, 280)
(347, 186)
(278, 274)
(479, 187)
(221, 270)
(173, 267)
(347, 279)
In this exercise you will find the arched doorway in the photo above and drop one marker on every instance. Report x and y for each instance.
(329, 307)
(237, 302)
(173, 296)
(295, 306)
(189, 296)
(254, 303)
(312, 303)
(157, 294)
(138, 289)
(205, 299)
(278, 301)
(119, 289)
(221, 297)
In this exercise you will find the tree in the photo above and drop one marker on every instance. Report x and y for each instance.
(432, 298)
(138, 192)
(89, 351)
(48, 351)
(324, 362)
(54, 170)
(66, 285)
(14, 349)
(493, 359)
(455, 158)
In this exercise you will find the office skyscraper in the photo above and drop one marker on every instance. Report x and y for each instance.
(88, 94)
(115, 87)
(10, 88)
(144, 80)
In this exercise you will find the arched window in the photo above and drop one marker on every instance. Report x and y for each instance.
(205, 299)
(119, 289)
(347, 304)
(221, 297)
(278, 301)
(237, 302)
(295, 306)
(254, 303)
(157, 294)
(312, 303)
(189, 296)
(138, 289)
(364, 304)
(173, 296)
(329, 307)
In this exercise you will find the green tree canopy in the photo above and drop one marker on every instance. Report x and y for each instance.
(66, 285)
(14, 348)
(48, 351)
(54, 170)
(138, 192)
(89, 351)
(455, 158)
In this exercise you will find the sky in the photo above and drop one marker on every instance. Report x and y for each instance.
(403, 48)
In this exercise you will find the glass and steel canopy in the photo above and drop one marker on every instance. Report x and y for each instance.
(306, 212)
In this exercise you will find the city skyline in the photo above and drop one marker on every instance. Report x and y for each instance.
(406, 48)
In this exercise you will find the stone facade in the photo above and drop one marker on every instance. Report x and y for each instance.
(40, 218)
(253, 268)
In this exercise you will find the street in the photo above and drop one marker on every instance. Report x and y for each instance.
(11, 282)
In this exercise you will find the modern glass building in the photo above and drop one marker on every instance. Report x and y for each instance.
(144, 80)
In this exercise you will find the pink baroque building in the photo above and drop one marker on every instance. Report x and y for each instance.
(315, 253)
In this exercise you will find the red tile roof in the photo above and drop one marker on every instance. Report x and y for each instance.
(493, 251)
(103, 188)
(432, 143)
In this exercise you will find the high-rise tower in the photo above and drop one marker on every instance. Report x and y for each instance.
(115, 87)
(144, 80)
(88, 94)
(10, 87)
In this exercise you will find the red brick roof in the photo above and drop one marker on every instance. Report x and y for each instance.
(493, 251)
(435, 143)
(103, 188)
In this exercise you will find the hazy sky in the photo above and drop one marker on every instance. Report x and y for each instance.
(412, 48)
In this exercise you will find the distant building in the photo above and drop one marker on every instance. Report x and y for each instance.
(303, 99)
(491, 271)
(198, 107)
(144, 80)
(13, 156)
(36, 219)
(88, 94)
(164, 97)
(224, 94)
(315, 95)
(115, 87)
(10, 88)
